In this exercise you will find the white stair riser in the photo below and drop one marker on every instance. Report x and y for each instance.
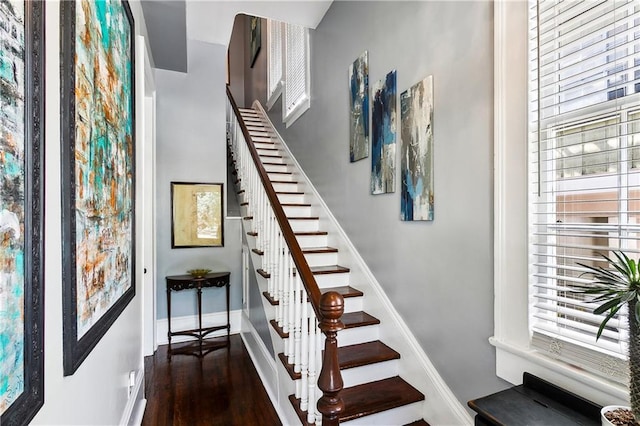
(297, 211)
(285, 187)
(287, 177)
(353, 336)
(268, 151)
(263, 145)
(291, 198)
(353, 304)
(397, 416)
(312, 240)
(369, 373)
(320, 259)
(262, 137)
(270, 168)
(332, 280)
(304, 225)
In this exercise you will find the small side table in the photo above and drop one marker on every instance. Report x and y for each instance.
(187, 282)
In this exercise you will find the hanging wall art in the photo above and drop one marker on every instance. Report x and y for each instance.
(98, 138)
(383, 135)
(21, 211)
(359, 108)
(416, 152)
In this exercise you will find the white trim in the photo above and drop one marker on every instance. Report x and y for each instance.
(191, 321)
(277, 92)
(511, 333)
(266, 367)
(297, 111)
(441, 406)
(134, 410)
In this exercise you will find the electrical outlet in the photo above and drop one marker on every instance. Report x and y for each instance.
(132, 382)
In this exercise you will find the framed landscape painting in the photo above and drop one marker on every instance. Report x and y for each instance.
(196, 215)
(416, 166)
(21, 211)
(98, 176)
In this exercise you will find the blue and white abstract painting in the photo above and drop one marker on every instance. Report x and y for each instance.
(416, 167)
(383, 135)
(359, 102)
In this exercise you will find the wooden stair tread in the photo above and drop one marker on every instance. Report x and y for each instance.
(273, 164)
(358, 319)
(310, 233)
(316, 250)
(263, 273)
(289, 192)
(346, 292)
(279, 173)
(352, 356)
(365, 353)
(295, 204)
(328, 269)
(258, 252)
(371, 398)
(279, 330)
(374, 397)
(268, 149)
(252, 234)
(420, 422)
(303, 218)
(294, 182)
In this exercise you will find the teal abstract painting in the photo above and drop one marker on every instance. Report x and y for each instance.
(12, 209)
(98, 163)
(383, 135)
(21, 198)
(359, 108)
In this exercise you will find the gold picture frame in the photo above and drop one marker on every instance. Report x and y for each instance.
(197, 215)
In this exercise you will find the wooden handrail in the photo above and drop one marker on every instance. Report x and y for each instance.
(328, 307)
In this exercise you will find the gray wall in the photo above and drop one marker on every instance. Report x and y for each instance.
(438, 275)
(191, 148)
(237, 47)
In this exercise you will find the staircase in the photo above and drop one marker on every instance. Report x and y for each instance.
(374, 392)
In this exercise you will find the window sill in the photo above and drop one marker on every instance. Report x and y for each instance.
(297, 111)
(513, 360)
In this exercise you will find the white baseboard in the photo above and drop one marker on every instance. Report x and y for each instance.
(134, 410)
(190, 322)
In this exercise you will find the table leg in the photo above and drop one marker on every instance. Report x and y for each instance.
(200, 313)
(228, 319)
(169, 314)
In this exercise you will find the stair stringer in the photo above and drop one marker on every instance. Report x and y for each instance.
(440, 405)
(274, 377)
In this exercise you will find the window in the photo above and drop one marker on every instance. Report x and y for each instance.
(296, 89)
(275, 41)
(288, 69)
(584, 171)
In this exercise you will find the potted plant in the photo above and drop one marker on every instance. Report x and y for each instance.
(614, 288)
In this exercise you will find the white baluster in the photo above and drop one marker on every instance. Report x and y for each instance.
(292, 310)
(286, 272)
(313, 330)
(297, 324)
(304, 355)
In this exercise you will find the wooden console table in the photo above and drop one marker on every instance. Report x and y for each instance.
(187, 282)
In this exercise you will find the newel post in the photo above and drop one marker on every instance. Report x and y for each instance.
(330, 382)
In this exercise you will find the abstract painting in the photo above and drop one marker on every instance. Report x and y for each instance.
(383, 135)
(416, 165)
(359, 104)
(21, 214)
(255, 38)
(98, 171)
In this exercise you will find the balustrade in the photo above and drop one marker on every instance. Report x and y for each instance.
(301, 310)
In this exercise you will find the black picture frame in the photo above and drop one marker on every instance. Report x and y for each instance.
(255, 37)
(184, 214)
(76, 350)
(28, 403)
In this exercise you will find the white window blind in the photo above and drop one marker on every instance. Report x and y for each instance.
(296, 90)
(584, 170)
(275, 42)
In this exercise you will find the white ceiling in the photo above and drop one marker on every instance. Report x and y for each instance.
(212, 20)
(171, 22)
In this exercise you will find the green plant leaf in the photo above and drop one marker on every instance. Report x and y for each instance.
(637, 311)
(608, 305)
(606, 320)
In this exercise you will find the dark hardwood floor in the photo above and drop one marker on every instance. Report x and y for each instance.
(219, 388)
